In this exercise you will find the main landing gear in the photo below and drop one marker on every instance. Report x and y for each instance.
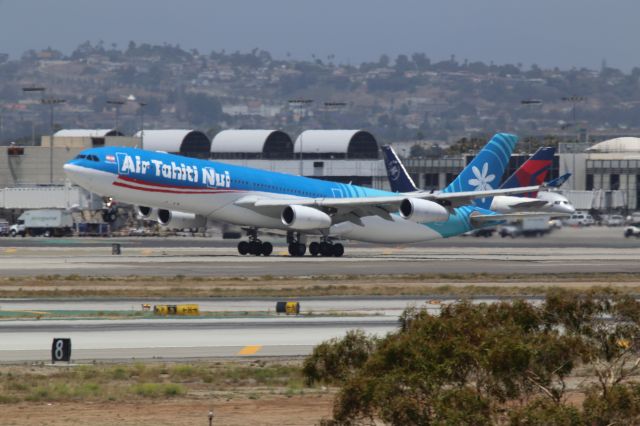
(326, 248)
(254, 246)
(297, 247)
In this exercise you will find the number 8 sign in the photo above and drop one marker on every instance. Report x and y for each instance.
(61, 349)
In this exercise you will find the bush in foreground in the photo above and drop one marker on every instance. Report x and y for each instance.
(489, 364)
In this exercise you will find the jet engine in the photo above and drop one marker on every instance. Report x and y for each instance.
(419, 210)
(180, 220)
(304, 218)
(147, 213)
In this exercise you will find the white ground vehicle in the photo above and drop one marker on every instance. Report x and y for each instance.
(46, 222)
(614, 220)
(633, 230)
(580, 219)
(529, 227)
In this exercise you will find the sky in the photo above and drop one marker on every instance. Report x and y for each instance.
(565, 33)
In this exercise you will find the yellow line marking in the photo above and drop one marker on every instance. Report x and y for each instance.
(10, 250)
(250, 350)
(25, 312)
(147, 252)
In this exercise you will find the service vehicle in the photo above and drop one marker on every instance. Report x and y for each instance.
(528, 227)
(614, 220)
(632, 230)
(580, 219)
(45, 222)
(4, 228)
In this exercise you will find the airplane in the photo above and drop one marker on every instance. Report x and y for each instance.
(182, 192)
(532, 172)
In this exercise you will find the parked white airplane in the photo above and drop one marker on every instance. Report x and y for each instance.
(532, 172)
(185, 190)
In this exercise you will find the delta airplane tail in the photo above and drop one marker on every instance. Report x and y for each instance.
(486, 169)
(533, 171)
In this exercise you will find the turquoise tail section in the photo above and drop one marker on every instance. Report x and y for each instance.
(487, 168)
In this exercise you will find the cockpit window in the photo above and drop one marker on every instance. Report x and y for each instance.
(90, 157)
(80, 156)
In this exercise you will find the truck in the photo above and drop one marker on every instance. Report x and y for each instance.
(46, 222)
(4, 228)
(528, 227)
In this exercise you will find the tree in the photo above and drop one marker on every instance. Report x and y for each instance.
(203, 109)
(458, 367)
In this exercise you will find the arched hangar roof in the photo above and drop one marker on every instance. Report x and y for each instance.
(252, 143)
(183, 141)
(87, 133)
(347, 143)
(624, 144)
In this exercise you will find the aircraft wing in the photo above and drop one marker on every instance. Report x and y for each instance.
(457, 199)
(389, 203)
(528, 204)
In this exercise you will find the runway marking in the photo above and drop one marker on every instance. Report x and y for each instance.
(20, 311)
(250, 350)
(10, 250)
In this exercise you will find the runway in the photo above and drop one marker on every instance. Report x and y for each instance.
(217, 262)
(179, 338)
(569, 250)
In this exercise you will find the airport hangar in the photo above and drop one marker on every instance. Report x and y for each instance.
(605, 176)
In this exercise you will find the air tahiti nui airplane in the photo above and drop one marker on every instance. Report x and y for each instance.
(184, 192)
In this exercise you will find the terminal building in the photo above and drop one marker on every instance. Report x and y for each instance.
(606, 175)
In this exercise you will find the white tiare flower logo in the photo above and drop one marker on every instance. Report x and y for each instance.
(481, 182)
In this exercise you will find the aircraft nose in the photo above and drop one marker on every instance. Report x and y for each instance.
(74, 173)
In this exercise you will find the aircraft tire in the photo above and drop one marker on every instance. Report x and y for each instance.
(255, 248)
(267, 248)
(302, 249)
(338, 250)
(243, 247)
(314, 249)
(326, 249)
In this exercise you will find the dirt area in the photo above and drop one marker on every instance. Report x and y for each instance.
(268, 410)
(338, 285)
(261, 392)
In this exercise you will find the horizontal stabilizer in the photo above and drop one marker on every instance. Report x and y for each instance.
(482, 218)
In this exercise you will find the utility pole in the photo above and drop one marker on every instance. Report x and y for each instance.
(300, 103)
(529, 102)
(142, 105)
(31, 89)
(574, 100)
(116, 104)
(332, 107)
(51, 102)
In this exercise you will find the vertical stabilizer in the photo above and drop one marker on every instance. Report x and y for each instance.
(485, 171)
(399, 179)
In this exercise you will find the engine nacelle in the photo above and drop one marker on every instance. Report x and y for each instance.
(419, 210)
(179, 220)
(304, 218)
(147, 213)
